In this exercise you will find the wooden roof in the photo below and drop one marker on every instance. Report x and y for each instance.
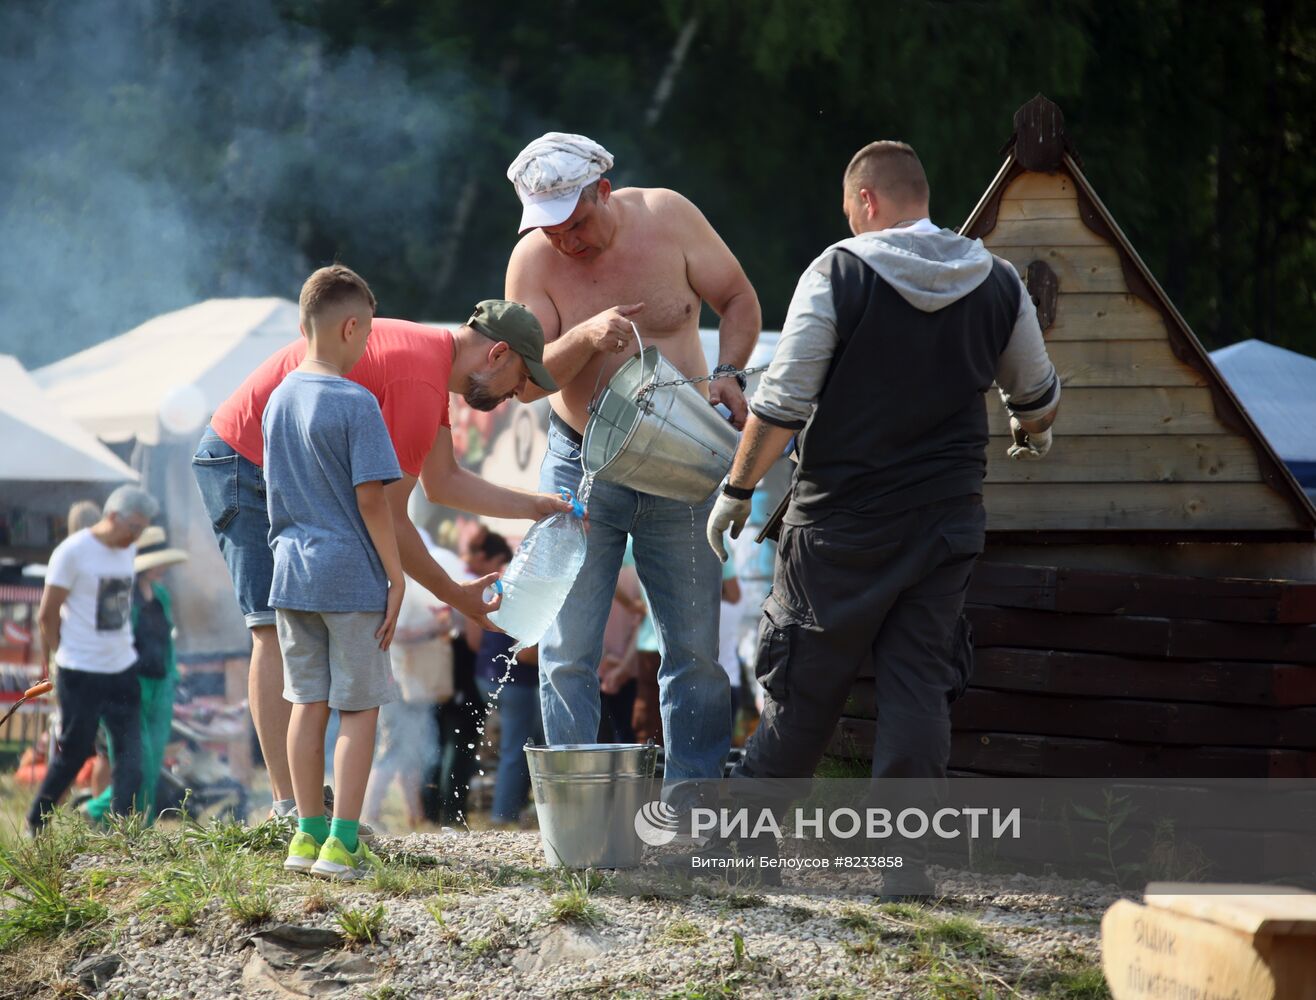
(1150, 442)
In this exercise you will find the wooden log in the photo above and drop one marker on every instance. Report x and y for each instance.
(1012, 585)
(1154, 952)
(1055, 672)
(1025, 755)
(1125, 410)
(1128, 721)
(1132, 635)
(1011, 209)
(1158, 595)
(1137, 507)
(1034, 185)
(1080, 269)
(1238, 641)
(1062, 232)
(1090, 363)
(1118, 458)
(1256, 910)
(1104, 316)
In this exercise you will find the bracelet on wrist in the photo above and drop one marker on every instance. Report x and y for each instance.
(737, 492)
(735, 373)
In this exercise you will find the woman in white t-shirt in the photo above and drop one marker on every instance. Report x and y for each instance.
(86, 622)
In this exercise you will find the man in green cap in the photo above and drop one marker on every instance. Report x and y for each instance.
(410, 369)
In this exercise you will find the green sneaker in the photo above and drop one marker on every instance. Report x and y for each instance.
(302, 853)
(335, 861)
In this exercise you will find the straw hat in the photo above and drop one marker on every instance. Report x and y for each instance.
(151, 551)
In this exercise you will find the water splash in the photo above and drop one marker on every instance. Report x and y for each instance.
(586, 488)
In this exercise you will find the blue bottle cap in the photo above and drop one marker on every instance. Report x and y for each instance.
(577, 508)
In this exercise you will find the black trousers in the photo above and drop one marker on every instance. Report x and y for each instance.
(85, 700)
(848, 591)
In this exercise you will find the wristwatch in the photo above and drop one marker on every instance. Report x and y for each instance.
(735, 372)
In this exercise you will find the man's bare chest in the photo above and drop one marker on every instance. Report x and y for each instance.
(661, 284)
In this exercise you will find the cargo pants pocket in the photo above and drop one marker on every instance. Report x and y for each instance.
(776, 636)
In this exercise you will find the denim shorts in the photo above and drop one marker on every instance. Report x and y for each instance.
(233, 493)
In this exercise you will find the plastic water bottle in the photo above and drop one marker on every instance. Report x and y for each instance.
(539, 577)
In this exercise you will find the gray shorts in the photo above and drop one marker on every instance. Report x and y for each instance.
(334, 656)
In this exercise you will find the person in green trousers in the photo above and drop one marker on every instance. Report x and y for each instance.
(157, 668)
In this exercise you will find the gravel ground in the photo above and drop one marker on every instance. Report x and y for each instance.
(498, 937)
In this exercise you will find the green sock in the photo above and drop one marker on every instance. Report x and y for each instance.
(316, 826)
(345, 830)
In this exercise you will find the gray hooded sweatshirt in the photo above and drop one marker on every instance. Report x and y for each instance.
(930, 268)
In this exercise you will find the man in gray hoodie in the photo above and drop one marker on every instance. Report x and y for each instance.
(891, 339)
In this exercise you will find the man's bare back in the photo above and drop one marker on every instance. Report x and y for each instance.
(662, 255)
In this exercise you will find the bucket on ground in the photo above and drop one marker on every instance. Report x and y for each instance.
(665, 440)
(586, 798)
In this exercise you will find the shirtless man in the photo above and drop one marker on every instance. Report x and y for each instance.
(589, 248)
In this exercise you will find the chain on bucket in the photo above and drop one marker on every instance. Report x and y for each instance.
(653, 383)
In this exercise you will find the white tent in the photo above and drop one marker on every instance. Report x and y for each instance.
(115, 388)
(41, 444)
(1278, 389)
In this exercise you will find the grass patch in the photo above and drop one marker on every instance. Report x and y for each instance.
(248, 907)
(37, 905)
(1070, 975)
(318, 900)
(903, 911)
(230, 836)
(853, 918)
(682, 932)
(179, 902)
(961, 935)
(574, 906)
(741, 900)
(402, 880)
(361, 927)
(479, 947)
(1079, 984)
(864, 947)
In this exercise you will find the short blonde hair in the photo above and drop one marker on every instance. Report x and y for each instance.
(890, 168)
(331, 286)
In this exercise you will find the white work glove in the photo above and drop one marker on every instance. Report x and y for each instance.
(727, 513)
(1027, 445)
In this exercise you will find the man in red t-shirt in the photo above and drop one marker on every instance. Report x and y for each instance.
(409, 369)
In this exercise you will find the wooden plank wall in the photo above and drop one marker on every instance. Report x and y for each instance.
(1080, 673)
(1138, 445)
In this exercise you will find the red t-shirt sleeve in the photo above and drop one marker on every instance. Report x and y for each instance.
(413, 411)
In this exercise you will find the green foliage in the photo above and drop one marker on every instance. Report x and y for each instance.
(574, 906)
(197, 151)
(682, 932)
(35, 903)
(362, 926)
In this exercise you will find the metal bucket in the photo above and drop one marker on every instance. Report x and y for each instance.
(586, 798)
(670, 443)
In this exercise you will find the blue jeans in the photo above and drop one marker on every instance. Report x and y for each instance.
(683, 580)
(518, 720)
(233, 493)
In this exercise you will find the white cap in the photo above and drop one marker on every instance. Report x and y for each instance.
(550, 173)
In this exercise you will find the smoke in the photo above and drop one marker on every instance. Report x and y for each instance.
(160, 153)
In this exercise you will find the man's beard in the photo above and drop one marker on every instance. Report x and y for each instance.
(478, 395)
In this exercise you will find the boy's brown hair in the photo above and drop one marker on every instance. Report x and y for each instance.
(331, 286)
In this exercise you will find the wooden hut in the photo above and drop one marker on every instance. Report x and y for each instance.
(1146, 605)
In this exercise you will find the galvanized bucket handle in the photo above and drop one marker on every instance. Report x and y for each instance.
(594, 395)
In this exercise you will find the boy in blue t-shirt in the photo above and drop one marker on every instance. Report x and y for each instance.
(336, 566)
